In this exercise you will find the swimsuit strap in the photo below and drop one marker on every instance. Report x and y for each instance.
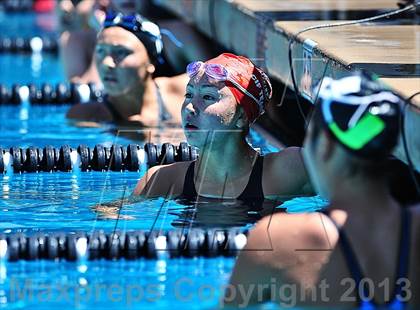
(189, 191)
(403, 261)
(164, 114)
(252, 191)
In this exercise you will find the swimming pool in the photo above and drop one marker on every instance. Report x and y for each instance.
(61, 201)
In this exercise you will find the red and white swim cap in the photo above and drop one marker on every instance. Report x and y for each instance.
(250, 77)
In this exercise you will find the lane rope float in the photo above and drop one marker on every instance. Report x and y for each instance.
(80, 246)
(61, 93)
(99, 158)
(29, 45)
(16, 5)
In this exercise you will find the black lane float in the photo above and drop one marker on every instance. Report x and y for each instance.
(100, 158)
(28, 45)
(129, 245)
(16, 5)
(61, 93)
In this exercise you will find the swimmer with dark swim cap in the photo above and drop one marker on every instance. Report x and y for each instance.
(354, 129)
(224, 96)
(129, 49)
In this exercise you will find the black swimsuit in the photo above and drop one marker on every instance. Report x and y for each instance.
(244, 211)
(253, 191)
(402, 270)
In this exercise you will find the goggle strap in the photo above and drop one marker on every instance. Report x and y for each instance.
(199, 64)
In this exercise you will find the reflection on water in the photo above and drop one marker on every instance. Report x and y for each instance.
(58, 201)
(210, 213)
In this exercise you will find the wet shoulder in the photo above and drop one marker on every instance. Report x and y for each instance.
(163, 180)
(173, 85)
(283, 158)
(93, 111)
(296, 232)
(173, 90)
(284, 173)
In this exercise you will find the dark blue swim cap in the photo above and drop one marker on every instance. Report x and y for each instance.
(362, 114)
(146, 31)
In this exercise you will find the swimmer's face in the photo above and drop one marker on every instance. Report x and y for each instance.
(122, 61)
(315, 161)
(209, 111)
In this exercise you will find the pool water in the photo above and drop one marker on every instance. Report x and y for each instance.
(63, 202)
(27, 68)
(114, 285)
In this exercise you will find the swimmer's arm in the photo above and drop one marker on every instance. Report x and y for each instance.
(90, 114)
(285, 174)
(255, 268)
(161, 181)
(157, 182)
(111, 210)
(90, 76)
(274, 257)
(145, 188)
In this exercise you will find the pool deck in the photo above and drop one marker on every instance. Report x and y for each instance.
(261, 30)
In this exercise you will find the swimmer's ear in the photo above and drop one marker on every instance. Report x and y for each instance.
(150, 69)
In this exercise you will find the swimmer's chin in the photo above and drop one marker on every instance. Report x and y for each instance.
(113, 90)
(193, 142)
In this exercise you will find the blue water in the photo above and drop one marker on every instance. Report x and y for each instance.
(192, 283)
(27, 25)
(40, 126)
(63, 201)
(26, 69)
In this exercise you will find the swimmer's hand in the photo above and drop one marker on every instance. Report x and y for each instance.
(66, 13)
(88, 124)
(112, 210)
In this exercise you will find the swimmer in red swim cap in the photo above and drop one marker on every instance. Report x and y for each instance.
(224, 96)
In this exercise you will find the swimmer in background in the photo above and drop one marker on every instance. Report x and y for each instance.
(363, 233)
(78, 38)
(224, 96)
(128, 51)
(81, 20)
